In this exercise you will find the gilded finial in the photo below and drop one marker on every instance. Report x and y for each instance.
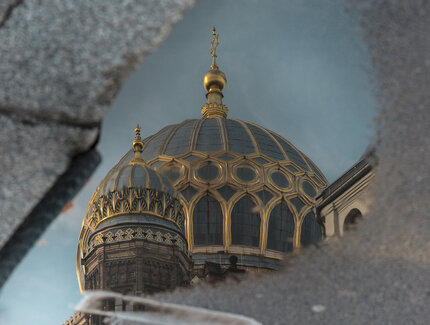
(214, 44)
(137, 142)
(214, 82)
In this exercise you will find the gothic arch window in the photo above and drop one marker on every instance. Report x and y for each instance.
(207, 222)
(311, 230)
(281, 228)
(245, 223)
(352, 219)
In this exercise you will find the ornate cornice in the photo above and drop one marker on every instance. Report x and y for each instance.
(213, 110)
(121, 234)
(136, 201)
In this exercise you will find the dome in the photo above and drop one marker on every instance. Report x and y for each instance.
(245, 190)
(132, 202)
(134, 175)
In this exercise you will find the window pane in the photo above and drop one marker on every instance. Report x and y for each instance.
(245, 174)
(207, 222)
(265, 196)
(245, 223)
(208, 172)
(281, 229)
(309, 189)
(311, 230)
(280, 179)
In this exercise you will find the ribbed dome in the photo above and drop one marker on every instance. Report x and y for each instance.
(134, 175)
(218, 134)
(245, 190)
(133, 202)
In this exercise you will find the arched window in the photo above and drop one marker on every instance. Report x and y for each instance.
(311, 230)
(281, 228)
(245, 223)
(207, 222)
(352, 219)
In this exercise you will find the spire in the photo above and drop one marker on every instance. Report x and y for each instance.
(137, 143)
(214, 44)
(214, 82)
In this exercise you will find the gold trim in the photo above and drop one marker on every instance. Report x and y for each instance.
(291, 184)
(170, 136)
(195, 134)
(147, 177)
(231, 206)
(312, 182)
(130, 177)
(221, 171)
(246, 163)
(251, 135)
(272, 137)
(303, 214)
(150, 138)
(163, 187)
(223, 133)
(302, 155)
(115, 182)
(144, 201)
(226, 176)
(128, 235)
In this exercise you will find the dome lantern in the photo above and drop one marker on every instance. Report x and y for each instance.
(214, 82)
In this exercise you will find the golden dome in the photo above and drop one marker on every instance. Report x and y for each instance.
(222, 167)
(244, 189)
(133, 201)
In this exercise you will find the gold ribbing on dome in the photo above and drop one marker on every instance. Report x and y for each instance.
(137, 143)
(214, 82)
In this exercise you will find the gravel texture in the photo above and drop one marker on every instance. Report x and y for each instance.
(6, 8)
(66, 60)
(65, 187)
(34, 155)
(378, 274)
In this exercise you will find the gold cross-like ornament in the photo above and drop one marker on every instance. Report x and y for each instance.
(137, 130)
(214, 44)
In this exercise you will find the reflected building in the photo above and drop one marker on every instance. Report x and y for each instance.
(208, 195)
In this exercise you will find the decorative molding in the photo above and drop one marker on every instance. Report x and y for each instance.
(227, 176)
(116, 235)
(136, 201)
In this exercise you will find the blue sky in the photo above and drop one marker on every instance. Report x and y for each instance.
(296, 67)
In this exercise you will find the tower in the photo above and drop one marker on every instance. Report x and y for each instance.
(132, 239)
